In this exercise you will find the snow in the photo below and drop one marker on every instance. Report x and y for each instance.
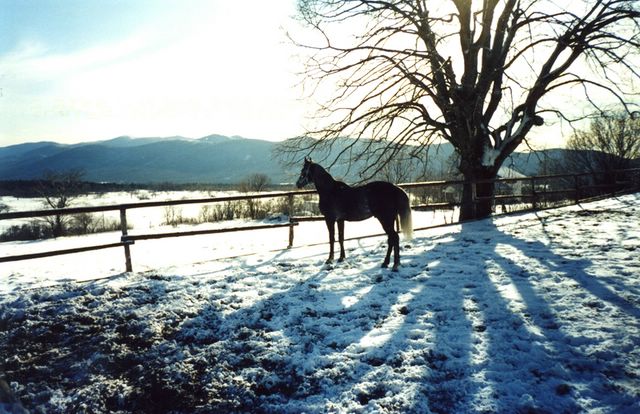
(153, 254)
(143, 218)
(535, 312)
(489, 156)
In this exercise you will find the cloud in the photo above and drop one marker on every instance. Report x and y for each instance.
(32, 62)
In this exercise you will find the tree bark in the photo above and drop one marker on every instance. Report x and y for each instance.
(477, 203)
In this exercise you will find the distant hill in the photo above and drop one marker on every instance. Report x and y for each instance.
(212, 159)
(215, 159)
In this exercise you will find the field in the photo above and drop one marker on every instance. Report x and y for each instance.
(529, 313)
(150, 255)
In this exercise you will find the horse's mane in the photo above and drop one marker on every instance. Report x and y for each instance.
(321, 172)
(323, 175)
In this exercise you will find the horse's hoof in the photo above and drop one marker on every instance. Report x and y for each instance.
(384, 265)
(394, 268)
(340, 260)
(329, 261)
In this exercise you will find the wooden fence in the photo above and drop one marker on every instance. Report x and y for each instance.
(425, 195)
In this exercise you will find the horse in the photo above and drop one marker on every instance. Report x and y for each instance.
(339, 202)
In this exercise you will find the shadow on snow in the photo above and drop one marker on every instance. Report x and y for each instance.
(463, 327)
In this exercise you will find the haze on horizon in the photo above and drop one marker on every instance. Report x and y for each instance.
(86, 70)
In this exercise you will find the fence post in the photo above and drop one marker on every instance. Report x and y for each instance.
(290, 202)
(576, 180)
(534, 195)
(474, 198)
(127, 250)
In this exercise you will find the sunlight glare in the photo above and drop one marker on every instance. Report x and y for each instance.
(350, 300)
(380, 335)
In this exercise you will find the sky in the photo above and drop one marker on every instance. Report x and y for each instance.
(83, 70)
(86, 70)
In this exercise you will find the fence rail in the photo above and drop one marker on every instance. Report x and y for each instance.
(539, 191)
(145, 204)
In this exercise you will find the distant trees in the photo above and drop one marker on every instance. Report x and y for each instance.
(399, 170)
(59, 189)
(255, 183)
(612, 142)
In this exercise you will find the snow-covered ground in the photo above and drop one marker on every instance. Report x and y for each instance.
(530, 313)
(140, 218)
(154, 254)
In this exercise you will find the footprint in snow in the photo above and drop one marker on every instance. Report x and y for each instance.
(285, 265)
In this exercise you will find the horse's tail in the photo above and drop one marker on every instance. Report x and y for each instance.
(404, 211)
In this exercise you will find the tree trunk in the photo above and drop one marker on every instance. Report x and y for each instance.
(58, 227)
(479, 203)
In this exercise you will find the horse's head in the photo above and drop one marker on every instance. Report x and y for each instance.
(305, 175)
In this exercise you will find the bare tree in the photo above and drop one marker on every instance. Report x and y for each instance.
(59, 188)
(254, 183)
(611, 143)
(479, 74)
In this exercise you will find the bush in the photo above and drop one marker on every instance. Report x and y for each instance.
(173, 217)
(79, 224)
(83, 223)
(220, 212)
(87, 223)
(249, 209)
(25, 232)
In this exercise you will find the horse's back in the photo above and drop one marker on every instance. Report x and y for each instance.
(377, 198)
(384, 197)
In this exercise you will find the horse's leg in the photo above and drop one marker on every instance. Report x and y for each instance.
(332, 237)
(393, 241)
(396, 250)
(341, 239)
(388, 255)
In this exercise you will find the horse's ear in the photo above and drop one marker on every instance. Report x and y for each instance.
(307, 159)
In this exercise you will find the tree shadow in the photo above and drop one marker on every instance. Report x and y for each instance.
(469, 324)
(530, 357)
(602, 286)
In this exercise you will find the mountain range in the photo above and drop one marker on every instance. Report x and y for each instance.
(211, 159)
(215, 159)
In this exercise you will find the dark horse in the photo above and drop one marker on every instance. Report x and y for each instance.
(340, 202)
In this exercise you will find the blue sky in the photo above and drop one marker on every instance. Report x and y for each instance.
(71, 24)
(74, 70)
